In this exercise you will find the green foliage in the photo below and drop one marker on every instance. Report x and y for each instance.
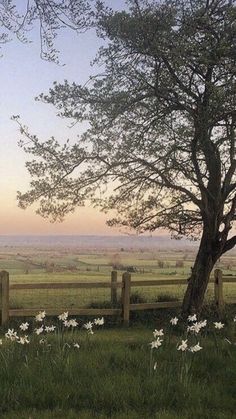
(167, 297)
(161, 122)
(137, 298)
(161, 129)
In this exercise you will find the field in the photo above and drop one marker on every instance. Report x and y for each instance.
(114, 374)
(46, 264)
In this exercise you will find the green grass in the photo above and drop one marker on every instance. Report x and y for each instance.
(109, 377)
(95, 265)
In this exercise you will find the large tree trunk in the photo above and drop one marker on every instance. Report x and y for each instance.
(206, 258)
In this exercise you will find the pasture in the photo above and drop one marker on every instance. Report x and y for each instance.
(115, 374)
(40, 264)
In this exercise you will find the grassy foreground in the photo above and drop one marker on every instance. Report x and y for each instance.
(111, 376)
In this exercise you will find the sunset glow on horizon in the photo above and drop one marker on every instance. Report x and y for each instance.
(23, 77)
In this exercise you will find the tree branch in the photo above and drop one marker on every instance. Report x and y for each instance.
(229, 245)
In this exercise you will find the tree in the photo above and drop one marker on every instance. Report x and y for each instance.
(19, 18)
(160, 145)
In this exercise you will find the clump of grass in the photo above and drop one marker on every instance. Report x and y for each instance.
(166, 297)
(137, 298)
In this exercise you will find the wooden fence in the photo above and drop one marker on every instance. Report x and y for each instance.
(126, 285)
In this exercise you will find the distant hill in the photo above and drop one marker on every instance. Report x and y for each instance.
(98, 242)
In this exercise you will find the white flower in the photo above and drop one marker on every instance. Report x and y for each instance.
(0, 341)
(42, 341)
(156, 343)
(234, 319)
(155, 366)
(11, 334)
(183, 347)
(24, 326)
(218, 325)
(202, 323)
(49, 329)
(192, 318)
(70, 323)
(63, 316)
(73, 323)
(158, 333)
(76, 345)
(40, 316)
(23, 340)
(196, 327)
(174, 321)
(88, 325)
(195, 348)
(99, 322)
(39, 330)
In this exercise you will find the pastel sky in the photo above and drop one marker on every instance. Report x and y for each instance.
(23, 77)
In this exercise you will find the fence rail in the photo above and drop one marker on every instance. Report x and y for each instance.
(64, 285)
(125, 285)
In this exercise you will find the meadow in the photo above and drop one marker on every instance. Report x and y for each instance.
(43, 264)
(114, 373)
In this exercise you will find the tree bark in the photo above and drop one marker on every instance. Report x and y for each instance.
(207, 256)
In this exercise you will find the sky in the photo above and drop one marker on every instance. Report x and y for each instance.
(24, 75)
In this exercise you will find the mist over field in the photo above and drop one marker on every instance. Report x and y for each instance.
(98, 242)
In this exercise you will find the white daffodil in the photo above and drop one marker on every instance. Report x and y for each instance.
(202, 323)
(11, 334)
(192, 318)
(40, 316)
(157, 333)
(63, 316)
(156, 343)
(43, 341)
(72, 323)
(39, 330)
(0, 341)
(195, 348)
(99, 322)
(23, 340)
(155, 366)
(174, 321)
(234, 319)
(218, 325)
(88, 325)
(76, 345)
(195, 328)
(24, 326)
(49, 329)
(184, 346)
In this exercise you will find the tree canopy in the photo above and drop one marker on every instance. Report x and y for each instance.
(50, 16)
(160, 147)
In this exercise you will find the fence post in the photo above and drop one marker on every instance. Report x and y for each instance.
(219, 298)
(126, 285)
(113, 288)
(4, 295)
